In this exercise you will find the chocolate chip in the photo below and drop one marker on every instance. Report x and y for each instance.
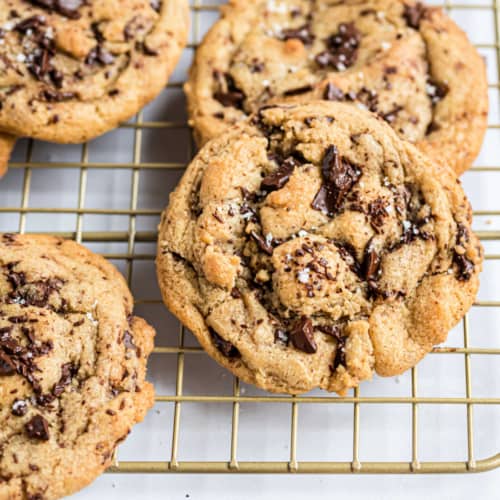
(367, 97)
(339, 177)
(99, 55)
(302, 335)
(334, 331)
(371, 262)
(7, 365)
(280, 177)
(235, 293)
(224, 346)
(298, 91)
(303, 33)
(413, 14)
(51, 95)
(67, 8)
(432, 127)
(262, 242)
(38, 428)
(342, 48)
(19, 408)
(436, 90)
(31, 23)
(229, 95)
(391, 115)
(377, 213)
(333, 93)
(348, 254)
(68, 371)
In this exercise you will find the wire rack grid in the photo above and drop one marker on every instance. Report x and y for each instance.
(109, 194)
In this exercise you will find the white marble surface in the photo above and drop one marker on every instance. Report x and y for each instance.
(325, 431)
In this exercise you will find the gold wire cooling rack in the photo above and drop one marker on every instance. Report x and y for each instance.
(132, 239)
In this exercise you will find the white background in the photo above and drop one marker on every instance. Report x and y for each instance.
(324, 431)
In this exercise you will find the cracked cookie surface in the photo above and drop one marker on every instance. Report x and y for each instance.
(72, 70)
(311, 247)
(72, 366)
(408, 63)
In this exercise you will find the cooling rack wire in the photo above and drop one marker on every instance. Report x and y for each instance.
(130, 244)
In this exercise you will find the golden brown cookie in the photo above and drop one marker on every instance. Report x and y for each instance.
(72, 366)
(72, 70)
(312, 247)
(406, 62)
(7, 143)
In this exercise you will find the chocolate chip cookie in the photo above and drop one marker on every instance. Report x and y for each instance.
(406, 62)
(71, 70)
(311, 247)
(72, 366)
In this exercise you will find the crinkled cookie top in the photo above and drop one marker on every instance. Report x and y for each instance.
(72, 69)
(408, 63)
(311, 247)
(72, 366)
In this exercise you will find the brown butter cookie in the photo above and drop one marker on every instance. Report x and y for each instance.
(406, 62)
(311, 247)
(72, 366)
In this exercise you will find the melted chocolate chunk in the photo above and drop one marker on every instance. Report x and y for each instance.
(224, 346)
(33, 23)
(68, 371)
(377, 213)
(334, 331)
(348, 254)
(229, 95)
(262, 242)
(279, 178)
(333, 93)
(38, 428)
(302, 335)
(32, 294)
(339, 177)
(67, 8)
(7, 365)
(437, 91)
(303, 33)
(298, 91)
(99, 55)
(342, 48)
(413, 14)
(19, 408)
(371, 262)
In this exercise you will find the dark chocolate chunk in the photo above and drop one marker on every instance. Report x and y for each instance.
(7, 365)
(51, 95)
(371, 262)
(280, 177)
(128, 340)
(298, 91)
(464, 265)
(155, 5)
(333, 93)
(235, 293)
(302, 335)
(68, 371)
(99, 55)
(377, 213)
(30, 23)
(348, 254)
(229, 95)
(391, 115)
(367, 97)
(303, 33)
(38, 428)
(436, 90)
(262, 242)
(342, 48)
(414, 14)
(19, 408)
(224, 346)
(334, 331)
(339, 177)
(67, 8)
